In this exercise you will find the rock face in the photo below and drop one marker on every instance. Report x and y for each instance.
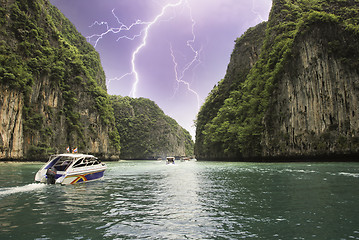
(53, 95)
(11, 137)
(314, 110)
(52, 86)
(146, 132)
(300, 98)
(245, 54)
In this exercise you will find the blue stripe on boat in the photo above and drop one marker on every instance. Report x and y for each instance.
(93, 176)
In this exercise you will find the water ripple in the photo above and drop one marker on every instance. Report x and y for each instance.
(149, 200)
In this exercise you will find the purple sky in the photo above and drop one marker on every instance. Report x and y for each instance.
(174, 55)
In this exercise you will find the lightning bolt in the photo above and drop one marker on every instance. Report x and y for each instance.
(180, 79)
(117, 30)
(195, 59)
(143, 44)
(144, 34)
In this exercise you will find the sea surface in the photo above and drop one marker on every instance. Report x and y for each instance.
(188, 200)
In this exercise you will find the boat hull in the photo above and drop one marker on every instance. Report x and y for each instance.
(81, 177)
(71, 169)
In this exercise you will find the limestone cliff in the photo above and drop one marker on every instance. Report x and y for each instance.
(52, 86)
(245, 54)
(146, 132)
(314, 109)
(11, 137)
(300, 99)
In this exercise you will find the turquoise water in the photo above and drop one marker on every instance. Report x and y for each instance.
(194, 200)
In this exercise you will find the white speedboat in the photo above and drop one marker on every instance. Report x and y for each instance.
(70, 169)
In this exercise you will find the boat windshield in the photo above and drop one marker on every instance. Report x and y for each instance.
(52, 161)
(87, 161)
(63, 163)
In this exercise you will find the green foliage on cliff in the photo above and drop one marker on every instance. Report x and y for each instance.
(59, 75)
(236, 129)
(38, 42)
(146, 132)
(246, 51)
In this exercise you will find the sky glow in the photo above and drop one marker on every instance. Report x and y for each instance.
(170, 51)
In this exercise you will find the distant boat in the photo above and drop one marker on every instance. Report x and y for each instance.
(170, 160)
(71, 168)
(185, 159)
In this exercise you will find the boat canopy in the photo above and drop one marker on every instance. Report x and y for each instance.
(63, 161)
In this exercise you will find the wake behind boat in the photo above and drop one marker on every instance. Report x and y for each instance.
(70, 169)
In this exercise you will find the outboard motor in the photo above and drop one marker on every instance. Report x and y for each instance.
(51, 175)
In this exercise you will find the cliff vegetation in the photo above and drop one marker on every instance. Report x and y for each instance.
(299, 97)
(53, 91)
(146, 132)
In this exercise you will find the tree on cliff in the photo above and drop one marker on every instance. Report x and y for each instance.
(146, 132)
(262, 114)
